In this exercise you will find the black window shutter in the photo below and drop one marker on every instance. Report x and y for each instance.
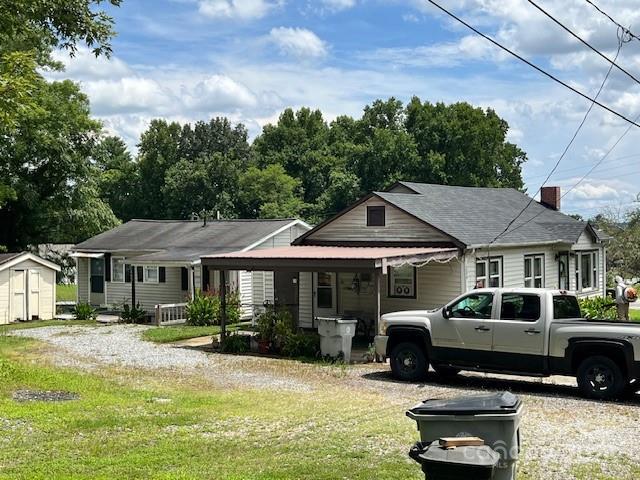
(184, 278)
(127, 273)
(162, 274)
(107, 267)
(139, 275)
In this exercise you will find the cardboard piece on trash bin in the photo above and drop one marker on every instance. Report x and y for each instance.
(453, 442)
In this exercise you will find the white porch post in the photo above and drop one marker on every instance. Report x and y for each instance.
(378, 307)
(190, 285)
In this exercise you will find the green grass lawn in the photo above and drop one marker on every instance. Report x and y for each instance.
(66, 293)
(44, 323)
(634, 315)
(174, 333)
(132, 424)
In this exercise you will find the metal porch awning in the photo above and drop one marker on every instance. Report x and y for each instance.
(311, 258)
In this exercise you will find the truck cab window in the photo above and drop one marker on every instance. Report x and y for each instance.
(477, 305)
(565, 306)
(518, 306)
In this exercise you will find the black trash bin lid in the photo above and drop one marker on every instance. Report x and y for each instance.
(503, 402)
(477, 456)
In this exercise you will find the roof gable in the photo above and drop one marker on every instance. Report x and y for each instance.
(8, 260)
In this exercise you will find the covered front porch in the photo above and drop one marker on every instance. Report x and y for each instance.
(357, 282)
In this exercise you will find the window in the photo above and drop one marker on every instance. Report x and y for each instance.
(534, 271)
(476, 305)
(518, 306)
(586, 270)
(151, 274)
(565, 306)
(375, 216)
(325, 290)
(402, 282)
(489, 272)
(117, 269)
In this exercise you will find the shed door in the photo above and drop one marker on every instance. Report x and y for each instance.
(18, 294)
(34, 294)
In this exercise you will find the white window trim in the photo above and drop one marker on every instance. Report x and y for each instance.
(146, 277)
(594, 274)
(487, 276)
(532, 258)
(123, 269)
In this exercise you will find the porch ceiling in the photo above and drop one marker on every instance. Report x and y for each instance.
(310, 258)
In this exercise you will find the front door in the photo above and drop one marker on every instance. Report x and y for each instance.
(19, 294)
(34, 294)
(465, 338)
(285, 286)
(563, 271)
(96, 272)
(518, 334)
(325, 297)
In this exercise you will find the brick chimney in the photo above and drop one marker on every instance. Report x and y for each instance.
(550, 197)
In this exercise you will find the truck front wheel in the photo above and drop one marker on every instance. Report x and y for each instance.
(601, 378)
(408, 362)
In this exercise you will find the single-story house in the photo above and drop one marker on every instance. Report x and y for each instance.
(27, 287)
(155, 262)
(417, 246)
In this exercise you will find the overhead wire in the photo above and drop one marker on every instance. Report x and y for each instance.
(534, 66)
(627, 30)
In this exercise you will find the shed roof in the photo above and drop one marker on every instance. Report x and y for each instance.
(8, 260)
(181, 240)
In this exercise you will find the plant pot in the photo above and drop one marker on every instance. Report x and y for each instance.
(263, 346)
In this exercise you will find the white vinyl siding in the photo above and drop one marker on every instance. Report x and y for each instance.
(399, 227)
(4, 296)
(82, 279)
(436, 284)
(149, 294)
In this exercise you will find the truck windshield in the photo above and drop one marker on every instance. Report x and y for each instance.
(565, 306)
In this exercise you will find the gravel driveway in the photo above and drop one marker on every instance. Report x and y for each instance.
(559, 430)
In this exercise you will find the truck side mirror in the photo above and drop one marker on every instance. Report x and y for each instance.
(446, 312)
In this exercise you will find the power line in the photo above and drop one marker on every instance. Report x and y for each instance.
(615, 161)
(584, 42)
(532, 65)
(566, 149)
(575, 185)
(625, 29)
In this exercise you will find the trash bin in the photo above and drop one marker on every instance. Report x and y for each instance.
(336, 334)
(460, 463)
(492, 417)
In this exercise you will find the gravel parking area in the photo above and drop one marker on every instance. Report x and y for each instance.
(559, 430)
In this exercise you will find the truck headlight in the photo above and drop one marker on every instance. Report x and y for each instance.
(382, 328)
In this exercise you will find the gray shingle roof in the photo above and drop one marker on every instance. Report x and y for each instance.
(476, 215)
(180, 240)
(5, 257)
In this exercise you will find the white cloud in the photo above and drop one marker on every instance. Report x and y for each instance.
(86, 65)
(298, 42)
(236, 9)
(338, 5)
(219, 92)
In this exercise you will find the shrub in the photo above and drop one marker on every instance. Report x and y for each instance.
(84, 311)
(236, 344)
(301, 345)
(265, 324)
(205, 308)
(202, 310)
(133, 314)
(598, 308)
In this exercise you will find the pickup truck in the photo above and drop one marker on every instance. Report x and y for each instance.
(522, 331)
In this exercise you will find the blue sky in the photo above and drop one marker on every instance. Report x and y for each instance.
(189, 60)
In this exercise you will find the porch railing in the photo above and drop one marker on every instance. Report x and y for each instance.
(171, 313)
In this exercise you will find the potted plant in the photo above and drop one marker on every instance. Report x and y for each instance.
(265, 327)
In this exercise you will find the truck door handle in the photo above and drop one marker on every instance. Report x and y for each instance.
(532, 331)
(482, 328)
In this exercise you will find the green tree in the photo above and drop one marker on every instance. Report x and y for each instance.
(118, 178)
(299, 143)
(623, 258)
(206, 184)
(459, 144)
(269, 193)
(48, 164)
(158, 152)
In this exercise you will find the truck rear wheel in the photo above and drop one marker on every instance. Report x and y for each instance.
(408, 362)
(601, 378)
